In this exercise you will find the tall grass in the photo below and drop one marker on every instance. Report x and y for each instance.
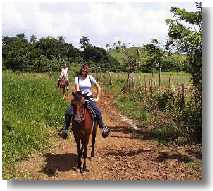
(31, 106)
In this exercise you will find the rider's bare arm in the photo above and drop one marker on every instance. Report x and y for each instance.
(98, 92)
(77, 87)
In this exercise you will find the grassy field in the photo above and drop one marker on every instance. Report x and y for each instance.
(168, 79)
(174, 78)
(31, 107)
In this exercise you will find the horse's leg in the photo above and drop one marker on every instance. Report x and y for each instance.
(66, 88)
(79, 151)
(85, 157)
(64, 92)
(61, 90)
(94, 130)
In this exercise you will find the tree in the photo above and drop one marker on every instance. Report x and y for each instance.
(114, 45)
(61, 39)
(84, 41)
(33, 39)
(51, 47)
(154, 41)
(73, 54)
(130, 61)
(123, 45)
(107, 46)
(15, 52)
(119, 43)
(153, 56)
(21, 36)
(185, 32)
(175, 62)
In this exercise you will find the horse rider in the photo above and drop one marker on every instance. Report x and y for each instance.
(83, 83)
(64, 74)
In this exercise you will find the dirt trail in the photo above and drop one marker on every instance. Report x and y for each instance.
(122, 156)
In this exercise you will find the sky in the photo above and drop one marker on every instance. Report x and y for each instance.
(136, 23)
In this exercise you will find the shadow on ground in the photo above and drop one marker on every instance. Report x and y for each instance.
(145, 134)
(178, 156)
(140, 133)
(123, 153)
(59, 162)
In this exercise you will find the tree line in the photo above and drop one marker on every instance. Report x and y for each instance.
(49, 54)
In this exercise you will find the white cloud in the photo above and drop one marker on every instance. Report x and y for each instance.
(102, 22)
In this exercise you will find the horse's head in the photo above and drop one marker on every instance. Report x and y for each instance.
(78, 102)
(78, 98)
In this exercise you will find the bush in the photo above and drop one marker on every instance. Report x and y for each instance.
(166, 132)
(192, 117)
(165, 99)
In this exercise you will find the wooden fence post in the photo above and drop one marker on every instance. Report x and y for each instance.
(169, 81)
(154, 84)
(159, 77)
(110, 78)
(182, 104)
(150, 87)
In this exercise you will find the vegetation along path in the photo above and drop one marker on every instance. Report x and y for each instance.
(121, 156)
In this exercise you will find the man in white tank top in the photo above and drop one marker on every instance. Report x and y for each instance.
(64, 74)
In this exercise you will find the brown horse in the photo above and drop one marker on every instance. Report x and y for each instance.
(83, 126)
(63, 84)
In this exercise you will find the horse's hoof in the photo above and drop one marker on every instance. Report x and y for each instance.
(85, 170)
(63, 134)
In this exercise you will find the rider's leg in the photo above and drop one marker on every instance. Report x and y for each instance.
(103, 127)
(67, 120)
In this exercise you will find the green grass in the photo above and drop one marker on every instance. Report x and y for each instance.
(31, 106)
(131, 108)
